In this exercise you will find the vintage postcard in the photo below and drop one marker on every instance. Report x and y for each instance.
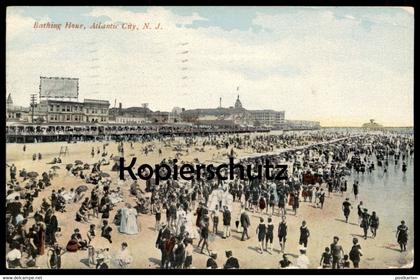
(209, 138)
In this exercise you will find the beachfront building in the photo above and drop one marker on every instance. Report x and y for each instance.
(175, 115)
(15, 113)
(269, 118)
(159, 117)
(138, 115)
(301, 125)
(63, 111)
(237, 114)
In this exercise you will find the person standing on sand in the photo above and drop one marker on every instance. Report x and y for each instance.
(365, 222)
(304, 235)
(402, 236)
(215, 217)
(356, 189)
(355, 253)
(374, 223)
(346, 209)
(245, 223)
(325, 261)
(321, 198)
(282, 233)
(204, 235)
(227, 217)
(295, 201)
(269, 235)
(261, 232)
(281, 203)
(336, 251)
(360, 211)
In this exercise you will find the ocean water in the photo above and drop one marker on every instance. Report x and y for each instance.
(390, 194)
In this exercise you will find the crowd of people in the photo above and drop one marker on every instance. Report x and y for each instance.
(192, 212)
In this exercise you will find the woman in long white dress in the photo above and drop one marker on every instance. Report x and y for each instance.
(123, 221)
(132, 227)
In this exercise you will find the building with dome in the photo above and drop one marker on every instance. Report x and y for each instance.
(236, 114)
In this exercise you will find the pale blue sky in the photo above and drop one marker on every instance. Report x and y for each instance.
(354, 63)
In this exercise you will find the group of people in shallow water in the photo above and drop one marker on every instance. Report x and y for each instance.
(315, 168)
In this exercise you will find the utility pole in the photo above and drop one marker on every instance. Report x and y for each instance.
(33, 103)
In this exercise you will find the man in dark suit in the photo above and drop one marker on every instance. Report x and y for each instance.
(245, 223)
(163, 236)
(227, 217)
(231, 261)
(52, 226)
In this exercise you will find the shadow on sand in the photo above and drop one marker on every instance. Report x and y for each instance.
(392, 249)
(85, 262)
(256, 249)
(344, 221)
(155, 261)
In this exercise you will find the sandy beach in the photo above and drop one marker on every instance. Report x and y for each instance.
(390, 195)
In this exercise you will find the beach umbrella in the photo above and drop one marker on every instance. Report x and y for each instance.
(81, 189)
(104, 175)
(55, 167)
(12, 195)
(33, 174)
(116, 158)
(78, 168)
(78, 162)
